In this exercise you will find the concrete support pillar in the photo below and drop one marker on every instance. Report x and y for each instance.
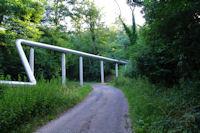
(81, 70)
(63, 69)
(102, 72)
(31, 59)
(116, 70)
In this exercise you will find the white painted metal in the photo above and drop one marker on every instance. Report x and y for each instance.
(31, 59)
(116, 70)
(63, 69)
(102, 72)
(26, 66)
(65, 50)
(29, 68)
(81, 70)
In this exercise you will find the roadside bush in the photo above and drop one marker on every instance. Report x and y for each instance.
(155, 109)
(123, 81)
(20, 104)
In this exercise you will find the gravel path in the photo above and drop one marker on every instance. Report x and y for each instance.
(105, 110)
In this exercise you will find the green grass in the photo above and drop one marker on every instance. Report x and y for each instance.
(25, 108)
(154, 109)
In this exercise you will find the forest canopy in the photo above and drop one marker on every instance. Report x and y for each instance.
(73, 24)
(165, 49)
(161, 81)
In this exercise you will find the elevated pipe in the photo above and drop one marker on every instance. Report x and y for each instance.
(26, 66)
(29, 66)
(66, 50)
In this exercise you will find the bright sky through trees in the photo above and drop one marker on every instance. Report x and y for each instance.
(111, 11)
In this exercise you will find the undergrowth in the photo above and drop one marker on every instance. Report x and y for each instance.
(155, 109)
(20, 106)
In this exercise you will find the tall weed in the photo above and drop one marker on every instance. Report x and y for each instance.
(154, 109)
(19, 105)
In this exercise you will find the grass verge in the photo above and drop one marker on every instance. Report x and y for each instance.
(157, 110)
(25, 108)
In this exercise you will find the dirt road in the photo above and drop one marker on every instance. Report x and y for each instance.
(104, 111)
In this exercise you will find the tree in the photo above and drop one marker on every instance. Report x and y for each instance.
(88, 14)
(48, 62)
(173, 41)
(20, 19)
(134, 2)
(131, 32)
(57, 12)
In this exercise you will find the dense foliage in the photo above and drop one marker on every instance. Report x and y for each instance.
(155, 110)
(19, 105)
(167, 49)
(18, 19)
(74, 24)
(48, 22)
(166, 55)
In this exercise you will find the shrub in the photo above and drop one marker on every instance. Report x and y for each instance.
(20, 104)
(157, 110)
